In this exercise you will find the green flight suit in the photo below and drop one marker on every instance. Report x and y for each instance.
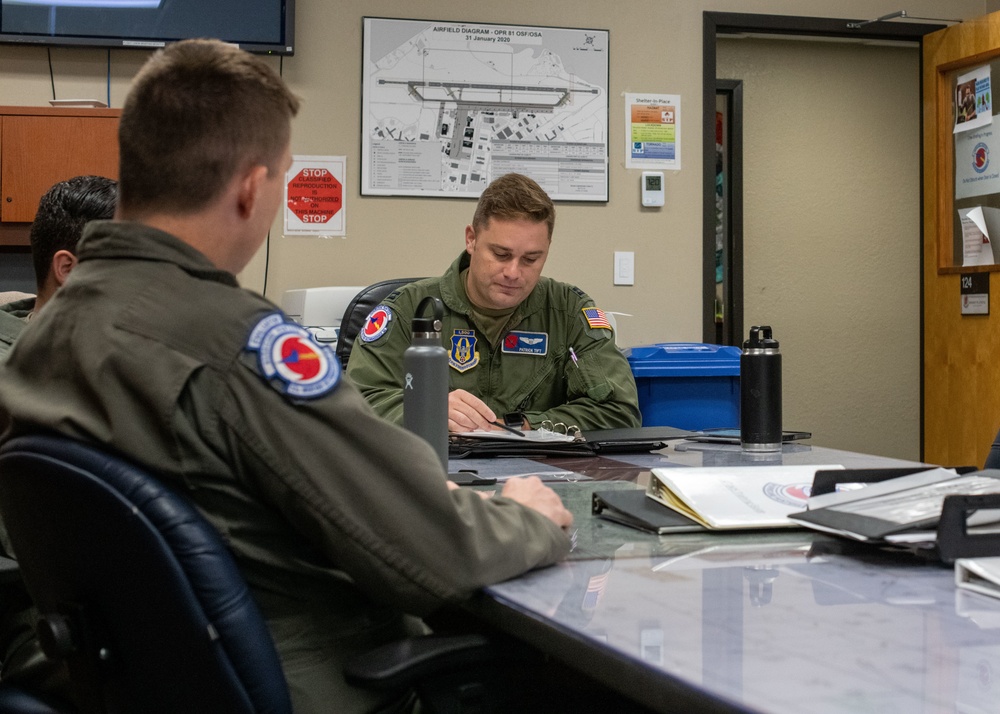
(13, 319)
(340, 521)
(529, 370)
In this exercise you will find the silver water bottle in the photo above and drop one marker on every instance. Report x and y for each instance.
(425, 380)
(760, 392)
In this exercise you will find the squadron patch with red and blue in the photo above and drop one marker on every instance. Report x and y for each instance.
(376, 324)
(291, 361)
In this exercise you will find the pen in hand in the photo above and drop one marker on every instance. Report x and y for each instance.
(511, 429)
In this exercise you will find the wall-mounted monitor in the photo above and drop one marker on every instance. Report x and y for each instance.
(263, 26)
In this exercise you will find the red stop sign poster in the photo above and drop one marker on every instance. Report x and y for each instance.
(315, 197)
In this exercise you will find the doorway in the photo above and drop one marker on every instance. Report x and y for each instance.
(728, 217)
(813, 250)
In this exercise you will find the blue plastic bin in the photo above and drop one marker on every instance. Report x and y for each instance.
(688, 385)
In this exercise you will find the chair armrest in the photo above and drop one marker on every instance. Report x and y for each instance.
(407, 662)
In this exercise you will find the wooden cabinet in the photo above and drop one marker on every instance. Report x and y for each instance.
(40, 146)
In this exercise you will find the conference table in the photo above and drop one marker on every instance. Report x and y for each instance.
(771, 621)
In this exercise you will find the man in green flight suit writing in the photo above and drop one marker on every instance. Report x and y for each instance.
(522, 348)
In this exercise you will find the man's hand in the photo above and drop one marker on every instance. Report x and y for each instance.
(467, 412)
(531, 492)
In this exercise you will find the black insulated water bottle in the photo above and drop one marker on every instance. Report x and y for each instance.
(760, 392)
(425, 380)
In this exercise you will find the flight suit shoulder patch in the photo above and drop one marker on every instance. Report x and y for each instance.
(596, 318)
(290, 360)
(377, 324)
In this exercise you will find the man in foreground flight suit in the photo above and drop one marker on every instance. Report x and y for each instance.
(340, 521)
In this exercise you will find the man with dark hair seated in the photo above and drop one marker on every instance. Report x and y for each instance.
(62, 213)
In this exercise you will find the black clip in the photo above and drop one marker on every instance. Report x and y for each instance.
(953, 538)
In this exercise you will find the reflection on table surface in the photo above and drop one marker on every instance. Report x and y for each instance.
(776, 621)
(782, 624)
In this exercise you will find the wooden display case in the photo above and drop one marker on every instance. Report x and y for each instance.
(42, 145)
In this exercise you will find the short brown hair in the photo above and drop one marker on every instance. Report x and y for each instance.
(198, 112)
(514, 196)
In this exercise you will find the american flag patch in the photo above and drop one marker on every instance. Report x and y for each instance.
(596, 318)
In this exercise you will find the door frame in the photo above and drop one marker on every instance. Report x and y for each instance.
(732, 268)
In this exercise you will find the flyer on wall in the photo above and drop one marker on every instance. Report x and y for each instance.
(653, 131)
(977, 163)
(314, 196)
(978, 224)
(973, 100)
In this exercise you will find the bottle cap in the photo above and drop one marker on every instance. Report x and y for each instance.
(760, 339)
(422, 323)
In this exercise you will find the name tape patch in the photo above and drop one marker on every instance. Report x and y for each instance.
(526, 343)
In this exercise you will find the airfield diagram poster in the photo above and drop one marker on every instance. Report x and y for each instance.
(447, 107)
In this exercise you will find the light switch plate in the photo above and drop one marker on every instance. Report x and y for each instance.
(624, 267)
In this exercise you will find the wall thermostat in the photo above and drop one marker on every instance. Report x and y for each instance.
(652, 188)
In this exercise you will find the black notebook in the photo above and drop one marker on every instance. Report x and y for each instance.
(636, 510)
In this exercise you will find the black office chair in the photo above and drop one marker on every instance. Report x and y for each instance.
(136, 590)
(140, 597)
(359, 309)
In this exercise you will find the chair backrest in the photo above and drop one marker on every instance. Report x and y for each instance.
(359, 308)
(135, 587)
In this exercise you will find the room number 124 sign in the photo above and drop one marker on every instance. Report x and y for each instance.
(314, 196)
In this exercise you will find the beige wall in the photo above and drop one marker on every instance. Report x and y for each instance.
(655, 47)
(832, 232)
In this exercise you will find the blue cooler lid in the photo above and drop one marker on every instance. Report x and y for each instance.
(684, 359)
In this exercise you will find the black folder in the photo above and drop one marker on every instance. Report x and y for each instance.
(636, 510)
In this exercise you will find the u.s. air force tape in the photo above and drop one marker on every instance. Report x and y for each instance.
(290, 360)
